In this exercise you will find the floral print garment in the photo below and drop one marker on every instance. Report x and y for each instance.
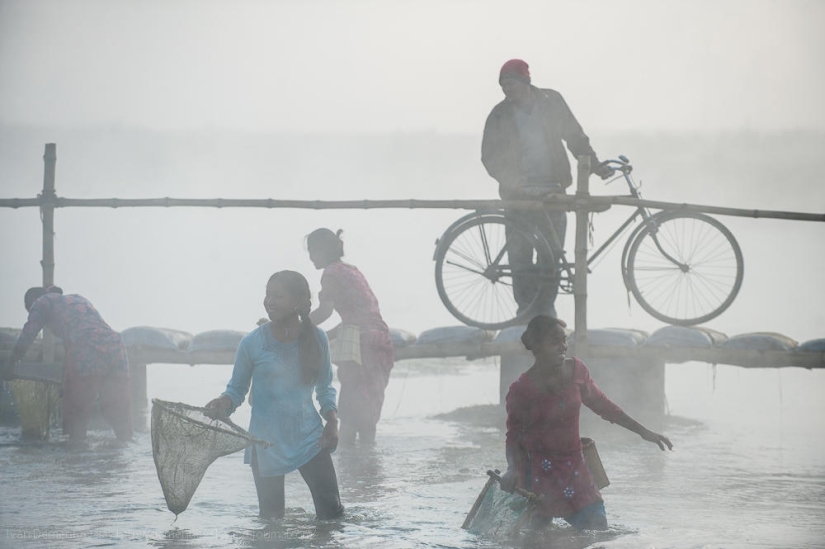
(545, 428)
(92, 347)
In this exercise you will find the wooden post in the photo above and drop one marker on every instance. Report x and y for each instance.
(140, 400)
(47, 212)
(580, 278)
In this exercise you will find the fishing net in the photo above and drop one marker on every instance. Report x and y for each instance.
(36, 406)
(499, 514)
(185, 441)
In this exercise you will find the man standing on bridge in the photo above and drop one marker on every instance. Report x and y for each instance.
(522, 149)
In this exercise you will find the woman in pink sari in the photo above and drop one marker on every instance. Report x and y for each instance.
(544, 450)
(345, 290)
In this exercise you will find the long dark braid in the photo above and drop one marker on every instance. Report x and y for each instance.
(309, 345)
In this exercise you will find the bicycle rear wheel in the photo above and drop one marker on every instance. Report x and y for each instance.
(474, 272)
(684, 268)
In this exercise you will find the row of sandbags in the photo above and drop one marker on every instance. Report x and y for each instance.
(690, 337)
(668, 336)
(166, 339)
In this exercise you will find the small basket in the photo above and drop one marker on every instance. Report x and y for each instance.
(345, 349)
(594, 463)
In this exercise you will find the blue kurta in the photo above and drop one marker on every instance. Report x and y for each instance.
(282, 409)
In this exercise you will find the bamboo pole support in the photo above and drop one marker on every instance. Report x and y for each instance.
(580, 276)
(48, 197)
(139, 392)
(47, 211)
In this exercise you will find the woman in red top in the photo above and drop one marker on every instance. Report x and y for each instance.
(544, 451)
(345, 291)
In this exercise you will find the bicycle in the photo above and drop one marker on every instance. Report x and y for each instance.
(682, 268)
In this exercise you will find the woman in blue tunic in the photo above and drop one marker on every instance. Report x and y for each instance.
(284, 360)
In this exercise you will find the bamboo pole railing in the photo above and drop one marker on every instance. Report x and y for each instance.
(561, 202)
(552, 203)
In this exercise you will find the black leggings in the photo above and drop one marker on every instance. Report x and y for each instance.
(318, 473)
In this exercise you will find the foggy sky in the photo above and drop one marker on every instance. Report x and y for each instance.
(375, 66)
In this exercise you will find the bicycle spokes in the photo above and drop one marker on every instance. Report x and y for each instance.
(685, 268)
(478, 278)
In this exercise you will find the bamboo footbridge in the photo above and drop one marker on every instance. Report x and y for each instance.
(582, 203)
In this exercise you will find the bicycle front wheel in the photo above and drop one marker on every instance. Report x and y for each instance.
(684, 268)
(474, 272)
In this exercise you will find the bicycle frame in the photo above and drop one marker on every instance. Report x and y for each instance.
(566, 274)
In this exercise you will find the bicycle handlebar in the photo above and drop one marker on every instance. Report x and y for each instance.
(621, 165)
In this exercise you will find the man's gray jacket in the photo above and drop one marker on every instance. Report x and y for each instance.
(501, 146)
